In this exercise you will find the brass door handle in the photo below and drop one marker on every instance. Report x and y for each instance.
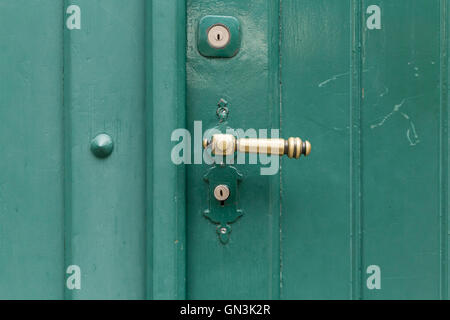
(227, 144)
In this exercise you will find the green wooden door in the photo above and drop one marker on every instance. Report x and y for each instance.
(364, 216)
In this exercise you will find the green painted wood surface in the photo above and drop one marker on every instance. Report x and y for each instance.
(373, 103)
(62, 206)
(316, 202)
(31, 156)
(374, 191)
(404, 215)
(248, 266)
(104, 92)
(168, 104)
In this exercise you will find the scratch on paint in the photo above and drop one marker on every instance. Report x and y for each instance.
(411, 132)
(415, 140)
(333, 78)
(389, 115)
(386, 91)
(337, 76)
(341, 129)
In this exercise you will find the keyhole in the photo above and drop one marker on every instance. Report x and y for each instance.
(218, 36)
(222, 203)
(221, 193)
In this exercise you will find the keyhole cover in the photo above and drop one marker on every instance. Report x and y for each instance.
(218, 36)
(221, 192)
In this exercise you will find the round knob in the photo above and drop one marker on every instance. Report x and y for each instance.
(102, 146)
(295, 147)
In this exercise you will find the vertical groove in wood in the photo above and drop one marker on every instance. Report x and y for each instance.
(148, 39)
(169, 113)
(67, 152)
(443, 165)
(355, 147)
(149, 149)
(280, 110)
(274, 100)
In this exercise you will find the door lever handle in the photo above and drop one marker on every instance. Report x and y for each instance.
(227, 144)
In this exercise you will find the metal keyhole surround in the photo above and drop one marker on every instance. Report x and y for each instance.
(218, 36)
(221, 192)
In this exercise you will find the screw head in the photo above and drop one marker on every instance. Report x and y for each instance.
(222, 110)
(102, 145)
(223, 230)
